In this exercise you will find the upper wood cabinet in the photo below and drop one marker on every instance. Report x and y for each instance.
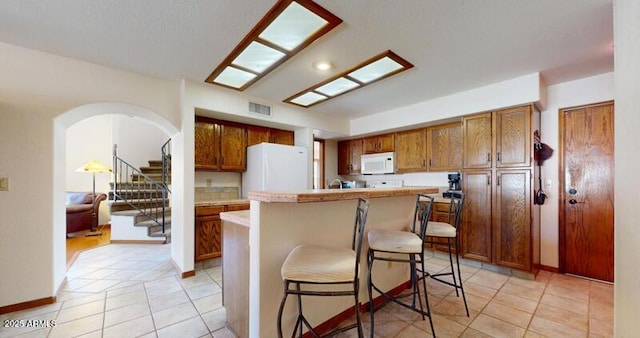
(444, 147)
(378, 144)
(349, 153)
(258, 134)
(513, 137)
(281, 136)
(476, 141)
(219, 145)
(411, 150)
(510, 129)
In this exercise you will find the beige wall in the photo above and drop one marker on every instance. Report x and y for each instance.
(627, 167)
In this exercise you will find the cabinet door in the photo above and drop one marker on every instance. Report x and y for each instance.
(411, 150)
(476, 215)
(204, 150)
(257, 135)
(513, 137)
(444, 147)
(282, 136)
(344, 158)
(476, 141)
(512, 221)
(370, 144)
(355, 149)
(208, 237)
(386, 143)
(232, 147)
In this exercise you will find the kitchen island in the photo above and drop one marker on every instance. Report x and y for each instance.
(275, 224)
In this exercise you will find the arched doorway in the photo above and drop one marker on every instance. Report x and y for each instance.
(61, 124)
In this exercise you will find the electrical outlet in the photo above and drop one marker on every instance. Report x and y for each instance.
(208, 183)
(548, 183)
(4, 184)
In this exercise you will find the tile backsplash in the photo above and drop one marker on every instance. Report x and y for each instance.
(203, 194)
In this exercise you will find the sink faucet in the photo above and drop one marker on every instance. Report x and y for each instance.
(336, 180)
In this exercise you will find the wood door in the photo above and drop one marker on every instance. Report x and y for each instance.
(204, 151)
(586, 191)
(476, 218)
(386, 143)
(344, 158)
(370, 144)
(411, 150)
(476, 141)
(444, 147)
(355, 150)
(513, 137)
(512, 219)
(233, 147)
(281, 136)
(257, 135)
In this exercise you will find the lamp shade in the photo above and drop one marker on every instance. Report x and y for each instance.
(93, 167)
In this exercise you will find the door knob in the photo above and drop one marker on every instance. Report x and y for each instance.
(573, 191)
(572, 201)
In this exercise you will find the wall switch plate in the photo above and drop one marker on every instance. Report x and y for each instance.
(4, 184)
(548, 183)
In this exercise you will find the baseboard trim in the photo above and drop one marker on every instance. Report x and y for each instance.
(139, 241)
(188, 274)
(547, 268)
(334, 321)
(27, 305)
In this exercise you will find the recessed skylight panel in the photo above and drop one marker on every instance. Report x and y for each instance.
(376, 70)
(308, 99)
(234, 77)
(293, 26)
(258, 57)
(337, 86)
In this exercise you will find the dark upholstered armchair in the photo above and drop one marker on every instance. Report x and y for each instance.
(80, 210)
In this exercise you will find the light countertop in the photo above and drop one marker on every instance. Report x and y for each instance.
(238, 217)
(325, 195)
(221, 202)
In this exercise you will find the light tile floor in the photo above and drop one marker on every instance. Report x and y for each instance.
(127, 290)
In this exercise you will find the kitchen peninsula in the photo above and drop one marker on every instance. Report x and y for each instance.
(255, 244)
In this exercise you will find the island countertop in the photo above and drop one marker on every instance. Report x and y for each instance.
(326, 195)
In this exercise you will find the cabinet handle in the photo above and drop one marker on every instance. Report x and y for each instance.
(215, 160)
(498, 183)
(424, 162)
(499, 157)
(488, 157)
(489, 180)
(430, 162)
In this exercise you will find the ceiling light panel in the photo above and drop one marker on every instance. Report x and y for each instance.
(288, 27)
(370, 71)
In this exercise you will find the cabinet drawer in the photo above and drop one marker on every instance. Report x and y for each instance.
(441, 207)
(237, 207)
(209, 211)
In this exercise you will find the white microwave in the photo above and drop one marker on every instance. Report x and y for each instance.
(380, 163)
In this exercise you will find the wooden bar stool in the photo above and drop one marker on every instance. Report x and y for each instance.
(407, 247)
(322, 265)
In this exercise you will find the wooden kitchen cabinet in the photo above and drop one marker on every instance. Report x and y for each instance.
(208, 229)
(444, 148)
(498, 226)
(513, 137)
(477, 141)
(208, 232)
(512, 222)
(258, 134)
(411, 150)
(349, 153)
(477, 215)
(378, 144)
(219, 145)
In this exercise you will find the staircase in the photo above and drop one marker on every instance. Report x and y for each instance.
(139, 200)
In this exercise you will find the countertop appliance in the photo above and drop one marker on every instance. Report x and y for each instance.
(454, 185)
(380, 163)
(275, 168)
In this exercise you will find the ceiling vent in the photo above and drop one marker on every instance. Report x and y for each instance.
(261, 109)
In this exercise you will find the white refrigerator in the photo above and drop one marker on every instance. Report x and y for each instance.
(275, 168)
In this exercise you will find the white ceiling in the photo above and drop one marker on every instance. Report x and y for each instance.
(455, 45)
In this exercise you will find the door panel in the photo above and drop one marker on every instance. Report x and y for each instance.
(512, 226)
(476, 141)
(586, 201)
(476, 219)
(513, 139)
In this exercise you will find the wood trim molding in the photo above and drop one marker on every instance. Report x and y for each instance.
(547, 268)
(27, 305)
(185, 274)
(334, 321)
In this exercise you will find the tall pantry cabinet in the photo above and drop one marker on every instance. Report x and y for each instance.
(498, 225)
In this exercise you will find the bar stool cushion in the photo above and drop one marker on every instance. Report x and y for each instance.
(318, 264)
(440, 229)
(394, 241)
